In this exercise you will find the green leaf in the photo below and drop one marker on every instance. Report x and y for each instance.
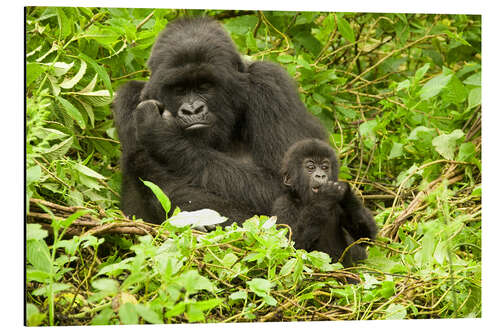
(53, 288)
(88, 172)
(285, 58)
(64, 23)
(33, 315)
(59, 150)
(466, 151)
(474, 80)
(60, 68)
(103, 317)
(474, 98)
(33, 72)
(288, 267)
(35, 232)
(396, 150)
(419, 74)
(72, 111)
(445, 144)
(108, 285)
(160, 195)
(100, 71)
(38, 254)
(147, 314)
(33, 174)
(192, 281)
(345, 29)
(238, 295)
(70, 83)
(434, 86)
(94, 98)
(128, 315)
(260, 287)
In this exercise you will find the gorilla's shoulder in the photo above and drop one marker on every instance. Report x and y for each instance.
(126, 98)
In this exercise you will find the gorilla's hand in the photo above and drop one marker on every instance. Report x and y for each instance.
(151, 117)
(334, 190)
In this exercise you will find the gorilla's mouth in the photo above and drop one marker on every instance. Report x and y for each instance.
(315, 188)
(196, 126)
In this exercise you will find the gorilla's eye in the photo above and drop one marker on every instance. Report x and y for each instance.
(324, 167)
(205, 86)
(310, 166)
(178, 90)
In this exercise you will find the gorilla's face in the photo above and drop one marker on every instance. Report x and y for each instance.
(316, 172)
(189, 103)
(308, 165)
(205, 100)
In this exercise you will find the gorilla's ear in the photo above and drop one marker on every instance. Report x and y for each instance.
(286, 180)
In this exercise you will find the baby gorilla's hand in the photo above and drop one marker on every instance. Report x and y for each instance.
(334, 190)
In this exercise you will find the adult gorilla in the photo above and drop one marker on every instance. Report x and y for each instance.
(207, 128)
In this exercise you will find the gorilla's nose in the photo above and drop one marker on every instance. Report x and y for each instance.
(188, 109)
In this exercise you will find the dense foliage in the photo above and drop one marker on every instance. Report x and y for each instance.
(400, 95)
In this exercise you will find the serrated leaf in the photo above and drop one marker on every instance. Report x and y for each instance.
(63, 23)
(61, 68)
(90, 86)
(55, 86)
(99, 70)
(434, 86)
(72, 111)
(88, 108)
(70, 83)
(95, 98)
(59, 150)
(345, 29)
(88, 171)
(445, 144)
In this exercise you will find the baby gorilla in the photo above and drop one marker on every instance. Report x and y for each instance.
(324, 214)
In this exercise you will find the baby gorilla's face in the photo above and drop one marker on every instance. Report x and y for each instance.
(318, 171)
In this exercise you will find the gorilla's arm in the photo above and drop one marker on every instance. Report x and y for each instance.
(276, 116)
(308, 222)
(357, 220)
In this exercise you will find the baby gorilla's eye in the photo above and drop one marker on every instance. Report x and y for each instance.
(324, 167)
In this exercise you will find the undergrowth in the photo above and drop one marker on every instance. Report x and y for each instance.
(400, 95)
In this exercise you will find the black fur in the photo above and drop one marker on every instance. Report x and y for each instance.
(324, 214)
(207, 128)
